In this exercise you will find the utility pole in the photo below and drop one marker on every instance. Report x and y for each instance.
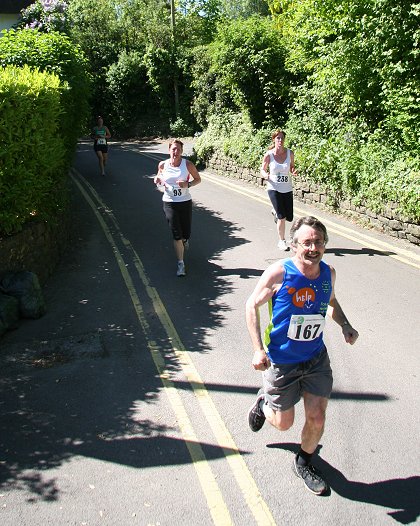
(176, 94)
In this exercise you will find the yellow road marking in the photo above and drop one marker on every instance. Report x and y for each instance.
(343, 231)
(211, 490)
(238, 466)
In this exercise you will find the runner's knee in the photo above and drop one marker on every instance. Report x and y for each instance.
(316, 419)
(281, 420)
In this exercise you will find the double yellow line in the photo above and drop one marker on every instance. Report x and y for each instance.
(405, 256)
(215, 501)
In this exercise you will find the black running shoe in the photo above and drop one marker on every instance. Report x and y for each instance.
(256, 417)
(311, 477)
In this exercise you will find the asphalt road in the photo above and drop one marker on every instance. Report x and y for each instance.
(126, 404)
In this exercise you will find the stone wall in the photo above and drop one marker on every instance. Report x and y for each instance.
(389, 221)
(37, 248)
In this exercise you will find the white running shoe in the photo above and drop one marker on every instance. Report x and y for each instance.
(181, 269)
(282, 245)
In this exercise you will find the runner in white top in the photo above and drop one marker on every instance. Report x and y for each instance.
(174, 178)
(277, 169)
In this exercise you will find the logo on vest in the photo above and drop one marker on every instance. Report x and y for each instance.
(304, 298)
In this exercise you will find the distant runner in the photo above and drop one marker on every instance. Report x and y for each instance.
(294, 360)
(175, 177)
(100, 134)
(277, 169)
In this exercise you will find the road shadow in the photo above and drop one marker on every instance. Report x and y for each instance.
(99, 398)
(399, 494)
(359, 397)
(87, 407)
(251, 390)
(195, 304)
(341, 252)
(81, 381)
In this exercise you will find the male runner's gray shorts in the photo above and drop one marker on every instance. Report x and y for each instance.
(284, 384)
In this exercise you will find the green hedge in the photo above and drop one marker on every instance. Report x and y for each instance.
(233, 135)
(32, 148)
(54, 53)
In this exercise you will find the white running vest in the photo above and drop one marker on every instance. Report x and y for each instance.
(171, 174)
(280, 178)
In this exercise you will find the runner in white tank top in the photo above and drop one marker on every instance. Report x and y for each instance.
(279, 178)
(174, 178)
(277, 169)
(171, 177)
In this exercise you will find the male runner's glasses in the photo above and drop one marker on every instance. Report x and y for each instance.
(317, 244)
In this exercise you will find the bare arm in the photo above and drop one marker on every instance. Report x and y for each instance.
(337, 314)
(107, 133)
(292, 163)
(192, 170)
(266, 287)
(157, 178)
(264, 166)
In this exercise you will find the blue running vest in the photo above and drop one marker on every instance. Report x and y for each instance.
(297, 295)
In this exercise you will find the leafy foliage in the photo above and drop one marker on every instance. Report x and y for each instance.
(353, 121)
(54, 53)
(234, 9)
(246, 66)
(32, 151)
(180, 128)
(45, 15)
(361, 59)
(129, 99)
(234, 135)
(342, 76)
(197, 24)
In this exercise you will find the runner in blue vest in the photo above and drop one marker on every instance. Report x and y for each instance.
(299, 292)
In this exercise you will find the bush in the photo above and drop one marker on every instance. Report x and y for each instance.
(32, 154)
(352, 163)
(234, 136)
(127, 90)
(245, 64)
(45, 15)
(345, 159)
(54, 53)
(180, 128)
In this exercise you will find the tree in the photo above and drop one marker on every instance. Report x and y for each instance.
(247, 64)
(360, 59)
(234, 9)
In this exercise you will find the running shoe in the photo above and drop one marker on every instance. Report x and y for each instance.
(311, 477)
(181, 269)
(274, 215)
(282, 245)
(256, 416)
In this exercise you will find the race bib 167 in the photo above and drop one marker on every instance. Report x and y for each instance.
(305, 327)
